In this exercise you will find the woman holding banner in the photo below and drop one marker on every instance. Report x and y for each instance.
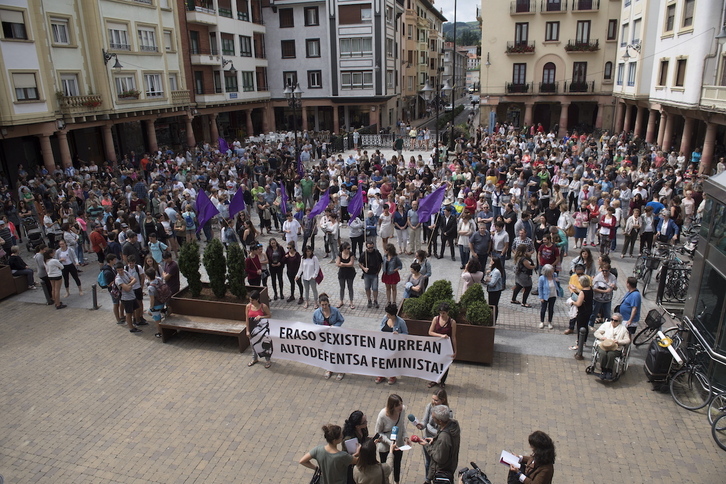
(443, 326)
(327, 315)
(392, 323)
(254, 312)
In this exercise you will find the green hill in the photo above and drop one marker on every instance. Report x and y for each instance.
(467, 33)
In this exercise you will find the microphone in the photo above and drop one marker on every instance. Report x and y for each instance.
(413, 419)
(415, 438)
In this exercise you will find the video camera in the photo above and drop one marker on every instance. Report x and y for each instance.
(474, 475)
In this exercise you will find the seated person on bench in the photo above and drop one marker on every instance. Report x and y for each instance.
(612, 337)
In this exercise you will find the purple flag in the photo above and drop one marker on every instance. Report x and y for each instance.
(205, 209)
(431, 204)
(300, 168)
(355, 206)
(223, 146)
(283, 196)
(321, 205)
(237, 204)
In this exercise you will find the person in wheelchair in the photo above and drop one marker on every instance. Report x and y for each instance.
(612, 338)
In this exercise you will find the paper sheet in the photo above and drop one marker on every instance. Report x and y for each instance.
(405, 447)
(507, 458)
(351, 445)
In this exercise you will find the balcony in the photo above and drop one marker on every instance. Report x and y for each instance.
(225, 12)
(205, 59)
(549, 87)
(116, 46)
(585, 5)
(180, 97)
(201, 12)
(553, 6)
(243, 16)
(520, 47)
(148, 48)
(581, 46)
(80, 104)
(513, 88)
(714, 97)
(580, 87)
(522, 6)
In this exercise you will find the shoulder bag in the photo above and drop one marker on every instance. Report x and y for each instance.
(316, 476)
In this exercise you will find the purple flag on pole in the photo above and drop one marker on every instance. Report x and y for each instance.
(205, 209)
(300, 168)
(283, 196)
(321, 205)
(431, 204)
(355, 206)
(223, 146)
(237, 204)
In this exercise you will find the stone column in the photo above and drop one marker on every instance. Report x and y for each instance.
(528, 109)
(375, 116)
(598, 118)
(108, 147)
(213, 128)
(250, 127)
(639, 121)
(650, 130)
(563, 119)
(687, 136)
(661, 128)
(668, 133)
(47, 152)
(626, 123)
(619, 108)
(709, 144)
(151, 135)
(265, 120)
(65, 150)
(336, 119)
(191, 141)
(304, 114)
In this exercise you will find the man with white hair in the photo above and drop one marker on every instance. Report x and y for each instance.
(443, 448)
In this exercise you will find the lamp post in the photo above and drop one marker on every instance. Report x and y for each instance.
(293, 94)
(453, 85)
(434, 97)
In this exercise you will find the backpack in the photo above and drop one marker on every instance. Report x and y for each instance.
(163, 292)
(189, 220)
(103, 278)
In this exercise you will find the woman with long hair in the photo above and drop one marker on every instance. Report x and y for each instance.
(391, 267)
(332, 462)
(537, 467)
(369, 470)
(585, 258)
(428, 424)
(292, 260)
(67, 257)
(523, 270)
(443, 326)
(495, 285)
(308, 271)
(254, 311)
(547, 288)
(346, 273)
(54, 269)
(392, 416)
(472, 274)
(275, 254)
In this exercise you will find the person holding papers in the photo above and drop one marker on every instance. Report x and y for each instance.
(443, 448)
(537, 468)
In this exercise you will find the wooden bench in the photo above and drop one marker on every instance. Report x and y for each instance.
(226, 327)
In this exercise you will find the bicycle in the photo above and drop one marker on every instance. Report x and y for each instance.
(718, 431)
(717, 407)
(690, 387)
(653, 323)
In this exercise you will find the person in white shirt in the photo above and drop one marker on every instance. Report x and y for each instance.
(291, 228)
(613, 337)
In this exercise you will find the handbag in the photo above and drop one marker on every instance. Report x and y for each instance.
(319, 278)
(316, 476)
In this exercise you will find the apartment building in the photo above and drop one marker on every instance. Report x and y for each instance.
(455, 69)
(87, 79)
(671, 75)
(549, 62)
(473, 66)
(422, 55)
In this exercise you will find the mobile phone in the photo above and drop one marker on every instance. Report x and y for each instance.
(377, 436)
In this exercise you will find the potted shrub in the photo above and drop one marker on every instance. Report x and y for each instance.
(189, 266)
(216, 267)
(474, 330)
(236, 272)
(130, 94)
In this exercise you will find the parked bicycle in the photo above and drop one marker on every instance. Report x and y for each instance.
(653, 323)
(718, 430)
(690, 386)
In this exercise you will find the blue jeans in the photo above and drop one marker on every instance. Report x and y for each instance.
(464, 254)
(597, 307)
(79, 253)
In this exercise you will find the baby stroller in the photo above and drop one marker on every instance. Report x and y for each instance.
(33, 233)
(619, 366)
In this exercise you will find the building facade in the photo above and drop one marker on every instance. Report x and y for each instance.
(455, 69)
(549, 62)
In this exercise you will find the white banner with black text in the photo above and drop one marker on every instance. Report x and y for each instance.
(361, 352)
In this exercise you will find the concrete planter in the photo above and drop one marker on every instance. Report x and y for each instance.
(183, 303)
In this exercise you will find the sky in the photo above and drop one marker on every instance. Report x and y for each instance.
(466, 8)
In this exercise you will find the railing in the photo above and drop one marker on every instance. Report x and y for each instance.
(180, 97)
(582, 46)
(200, 51)
(513, 88)
(243, 16)
(585, 5)
(579, 86)
(225, 12)
(148, 48)
(80, 103)
(520, 47)
(147, 2)
(550, 6)
(209, 11)
(549, 87)
(115, 46)
(673, 284)
(522, 6)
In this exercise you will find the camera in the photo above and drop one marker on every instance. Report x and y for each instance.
(474, 475)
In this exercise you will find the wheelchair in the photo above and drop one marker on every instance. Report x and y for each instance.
(620, 365)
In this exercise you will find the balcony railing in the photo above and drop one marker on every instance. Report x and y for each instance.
(225, 12)
(76, 104)
(522, 6)
(513, 88)
(116, 46)
(148, 48)
(520, 47)
(549, 87)
(585, 5)
(147, 2)
(574, 46)
(243, 16)
(180, 97)
(553, 6)
(580, 86)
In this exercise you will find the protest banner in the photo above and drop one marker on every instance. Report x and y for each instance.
(361, 352)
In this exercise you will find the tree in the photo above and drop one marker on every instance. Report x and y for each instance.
(216, 267)
(189, 266)
(236, 271)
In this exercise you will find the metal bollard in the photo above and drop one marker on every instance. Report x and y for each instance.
(94, 295)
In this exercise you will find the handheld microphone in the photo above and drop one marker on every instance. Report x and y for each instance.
(413, 419)
(415, 438)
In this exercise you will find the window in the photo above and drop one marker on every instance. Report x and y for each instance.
(248, 81)
(147, 40)
(688, 6)
(390, 47)
(154, 88)
(168, 41)
(311, 16)
(259, 39)
(59, 28)
(722, 79)
(636, 31)
(356, 80)
(579, 72)
(173, 82)
(354, 14)
(13, 24)
(69, 84)
(549, 73)
(118, 37)
(521, 33)
(227, 44)
(312, 47)
(608, 71)
(288, 49)
(26, 88)
(194, 42)
(519, 74)
(356, 46)
(315, 79)
(289, 78)
(213, 47)
(261, 78)
(552, 31)
(612, 29)
(582, 35)
(670, 18)
(287, 20)
(198, 82)
(680, 72)
(390, 80)
(632, 68)
(409, 82)
(621, 71)
(410, 32)
(554, 5)
(230, 82)
(663, 74)
(124, 84)
(389, 15)
(245, 46)
(625, 31)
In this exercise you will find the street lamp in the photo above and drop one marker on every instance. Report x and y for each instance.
(293, 94)
(434, 97)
